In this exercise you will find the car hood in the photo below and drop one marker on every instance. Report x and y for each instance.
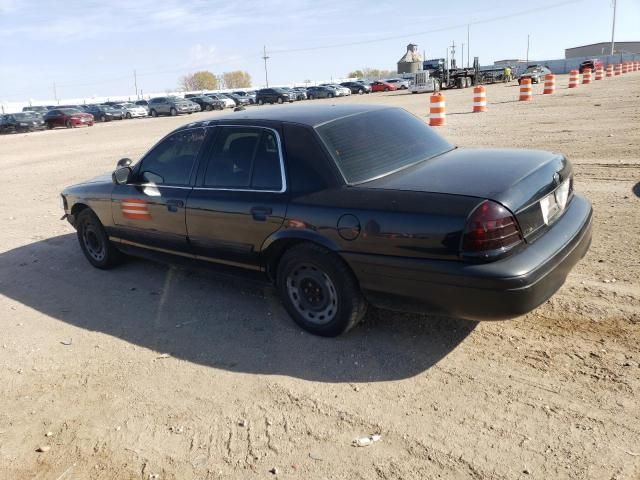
(104, 178)
(515, 178)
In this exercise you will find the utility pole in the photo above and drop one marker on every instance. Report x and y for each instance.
(135, 83)
(265, 58)
(462, 56)
(468, 45)
(613, 27)
(453, 54)
(528, 35)
(55, 93)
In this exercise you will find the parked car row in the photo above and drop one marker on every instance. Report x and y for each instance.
(69, 116)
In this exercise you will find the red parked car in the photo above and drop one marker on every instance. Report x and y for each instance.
(67, 117)
(593, 64)
(380, 86)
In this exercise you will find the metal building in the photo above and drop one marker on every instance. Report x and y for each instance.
(602, 48)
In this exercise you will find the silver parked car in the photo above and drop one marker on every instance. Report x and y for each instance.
(171, 106)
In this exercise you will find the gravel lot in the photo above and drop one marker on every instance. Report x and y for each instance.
(153, 369)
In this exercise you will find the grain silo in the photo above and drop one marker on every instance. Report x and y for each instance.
(411, 61)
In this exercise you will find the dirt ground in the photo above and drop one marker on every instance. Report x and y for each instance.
(161, 370)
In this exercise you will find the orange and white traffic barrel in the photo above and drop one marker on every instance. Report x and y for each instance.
(526, 90)
(586, 76)
(599, 73)
(549, 84)
(609, 70)
(437, 110)
(574, 77)
(479, 99)
(624, 67)
(618, 69)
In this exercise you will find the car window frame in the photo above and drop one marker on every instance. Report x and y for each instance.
(194, 168)
(205, 158)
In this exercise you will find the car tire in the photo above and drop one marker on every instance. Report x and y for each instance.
(173, 112)
(68, 124)
(128, 115)
(153, 113)
(49, 126)
(95, 243)
(330, 95)
(336, 304)
(360, 92)
(260, 102)
(207, 108)
(103, 118)
(386, 89)
(280, 100)
(310, 97)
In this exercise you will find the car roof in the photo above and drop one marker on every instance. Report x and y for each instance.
(311, 115)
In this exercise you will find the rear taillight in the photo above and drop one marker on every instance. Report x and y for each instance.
(490, 227)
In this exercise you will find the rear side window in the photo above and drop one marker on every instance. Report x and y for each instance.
(171, 161)
(375, 143)
(307, 165)
(244, 158)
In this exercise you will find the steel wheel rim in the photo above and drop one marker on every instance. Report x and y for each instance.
(312, 294)
(93, 243)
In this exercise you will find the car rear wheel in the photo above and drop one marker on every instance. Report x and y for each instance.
(386, 89)
(260, 102)
(207, 108)
(330, 95)
(280, 100)
(128, 115)
(95, 243)
(319, 291)
(173, 112)
(361, 91)
(103, 118)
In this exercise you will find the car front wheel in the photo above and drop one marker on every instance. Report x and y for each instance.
(319, 291)
(153, 113)
(260, 102)
(68, 124)
(173, 112)
(94, 241)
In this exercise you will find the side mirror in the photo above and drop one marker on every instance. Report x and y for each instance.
(123, 162)
(121, 175)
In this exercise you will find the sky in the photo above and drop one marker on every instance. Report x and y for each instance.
(91, 47)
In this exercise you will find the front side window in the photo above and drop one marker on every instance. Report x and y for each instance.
(244, 158)
(171, 161)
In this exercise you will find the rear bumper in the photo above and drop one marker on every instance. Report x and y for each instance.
(498, 290)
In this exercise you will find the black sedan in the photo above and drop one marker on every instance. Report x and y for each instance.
(105, 113)
(21, 122)
(389, 213)
(357, 87)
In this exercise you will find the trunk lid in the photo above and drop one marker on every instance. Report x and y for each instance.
(518, 179)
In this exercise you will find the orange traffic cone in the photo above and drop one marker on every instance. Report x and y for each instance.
(437, 110)
(479, 99)
(526, 91)
(574, 77)
(599, 73)
(549, 84)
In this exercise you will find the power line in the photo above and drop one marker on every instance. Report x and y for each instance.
(425, 32)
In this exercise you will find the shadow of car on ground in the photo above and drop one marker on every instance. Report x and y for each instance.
(229, 322)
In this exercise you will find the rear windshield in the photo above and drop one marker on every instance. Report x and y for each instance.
(70, 111)
(373, 144)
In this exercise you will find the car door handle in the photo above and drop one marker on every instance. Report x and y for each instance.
(260, 213)
(173, 205)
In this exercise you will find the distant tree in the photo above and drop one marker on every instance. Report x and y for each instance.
(203, 80)
(237, 79)
(372, 73)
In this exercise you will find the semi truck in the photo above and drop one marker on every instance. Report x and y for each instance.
(436, 75)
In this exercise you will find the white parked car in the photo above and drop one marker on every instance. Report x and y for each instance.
(340, 90)
(131, 110)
